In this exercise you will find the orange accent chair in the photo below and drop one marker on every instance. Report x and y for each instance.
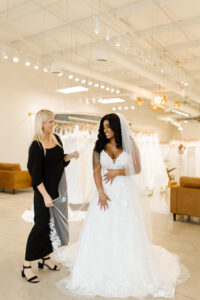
(185, 197)
(13, 178)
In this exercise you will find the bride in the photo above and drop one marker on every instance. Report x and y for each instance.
(115, 257)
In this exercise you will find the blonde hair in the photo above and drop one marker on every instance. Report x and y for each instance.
(42, 116)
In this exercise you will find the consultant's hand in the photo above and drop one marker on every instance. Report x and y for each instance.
(103, 200)
(48, 201)
(75, 154)
(108, 177)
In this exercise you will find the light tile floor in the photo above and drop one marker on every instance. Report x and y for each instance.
(180, 237)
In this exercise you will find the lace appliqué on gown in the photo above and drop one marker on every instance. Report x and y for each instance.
(54, 238)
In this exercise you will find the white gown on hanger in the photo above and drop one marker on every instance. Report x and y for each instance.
(115, 257)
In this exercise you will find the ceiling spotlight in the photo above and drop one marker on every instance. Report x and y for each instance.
(45, 69)
(107, 35)
(118, 42)
(36, 66)
(112, 90)
(4, 54)
(55, 67)
(132, 107)
(15, 59)
(119, 107)
(96, 85)
(83, 81)
(114, 108)
(127, 46)
(107, 89)
(60, 74)
(76, 79)
(101, 54)
(180, 128)
(102, 86)
(126, 107)
(186, 83)
(27, 63)
(90, 83)
(117, 91)
(97, 25)
(71, 76)
(134, 51)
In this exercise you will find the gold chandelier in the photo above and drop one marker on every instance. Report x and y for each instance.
(159, 102)
(177, 104)
(139, 101)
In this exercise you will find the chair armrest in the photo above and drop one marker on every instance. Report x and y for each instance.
(21, 179)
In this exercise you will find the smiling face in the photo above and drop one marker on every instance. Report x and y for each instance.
(107, 130)
(48, 126)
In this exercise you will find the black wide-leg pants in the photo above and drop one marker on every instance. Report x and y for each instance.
(38, 243)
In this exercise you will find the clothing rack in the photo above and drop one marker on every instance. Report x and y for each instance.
(70, 125)
(147, 131)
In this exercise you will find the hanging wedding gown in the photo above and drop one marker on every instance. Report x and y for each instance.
(115, 257)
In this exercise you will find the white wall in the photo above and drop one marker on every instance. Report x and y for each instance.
(24, 90)
(190, 131)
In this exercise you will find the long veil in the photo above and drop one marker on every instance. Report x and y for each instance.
(133, 170)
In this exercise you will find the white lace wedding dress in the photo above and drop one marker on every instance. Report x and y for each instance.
(115, 257)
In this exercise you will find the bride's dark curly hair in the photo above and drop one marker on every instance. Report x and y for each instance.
(115, 125)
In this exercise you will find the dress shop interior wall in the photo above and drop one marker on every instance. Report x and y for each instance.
(24, 90)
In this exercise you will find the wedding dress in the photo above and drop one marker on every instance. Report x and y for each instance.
(115, 257)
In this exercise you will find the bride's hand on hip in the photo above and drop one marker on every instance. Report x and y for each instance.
(103, 200)
(108, 177)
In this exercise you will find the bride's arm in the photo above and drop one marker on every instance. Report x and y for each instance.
(103, 198)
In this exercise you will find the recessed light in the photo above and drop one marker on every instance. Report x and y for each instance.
(15, 59)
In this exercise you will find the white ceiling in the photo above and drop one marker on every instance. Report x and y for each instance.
(153, 34)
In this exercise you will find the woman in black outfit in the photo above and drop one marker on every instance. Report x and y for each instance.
(46, 163)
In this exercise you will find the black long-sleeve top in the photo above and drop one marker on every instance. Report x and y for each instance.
(46, 168)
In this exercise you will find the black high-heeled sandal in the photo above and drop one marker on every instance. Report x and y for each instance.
(30, 279)
(41, 265)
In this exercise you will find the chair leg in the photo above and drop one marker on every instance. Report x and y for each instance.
(13, 191)
(188, 218)
(174, 217)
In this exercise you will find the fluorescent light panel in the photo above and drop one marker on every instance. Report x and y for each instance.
(112, 100)
(181, 113)
(74, 89)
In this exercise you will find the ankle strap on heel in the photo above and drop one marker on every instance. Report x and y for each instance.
(27, 267)
(46, 258)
